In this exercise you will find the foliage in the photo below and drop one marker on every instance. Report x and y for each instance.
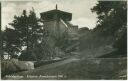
(112, 16)
(25, 32)
(112, 21)
(11, 42)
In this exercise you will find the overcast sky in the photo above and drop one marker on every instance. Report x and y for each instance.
(82, 15)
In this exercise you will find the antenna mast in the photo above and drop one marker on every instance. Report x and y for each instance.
(56, 7)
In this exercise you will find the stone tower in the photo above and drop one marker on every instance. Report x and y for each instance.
(57, 23)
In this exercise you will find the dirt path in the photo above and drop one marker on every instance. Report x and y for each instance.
(53, 65)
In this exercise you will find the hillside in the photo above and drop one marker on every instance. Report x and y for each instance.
(75, 69)
(92, 44)
(84, 65)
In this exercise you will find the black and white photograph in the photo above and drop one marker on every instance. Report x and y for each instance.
(63, 39)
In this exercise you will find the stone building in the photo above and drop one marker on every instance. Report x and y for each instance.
(58, 25)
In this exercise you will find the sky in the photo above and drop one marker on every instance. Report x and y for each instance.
(82, 15)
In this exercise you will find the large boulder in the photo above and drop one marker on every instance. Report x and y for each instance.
(13, 66)
(29, 65)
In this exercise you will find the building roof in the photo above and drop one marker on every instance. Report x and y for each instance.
(52, 14)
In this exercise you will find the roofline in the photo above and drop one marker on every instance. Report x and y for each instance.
(55, 10)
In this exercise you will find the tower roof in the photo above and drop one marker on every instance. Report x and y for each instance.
(52, 14)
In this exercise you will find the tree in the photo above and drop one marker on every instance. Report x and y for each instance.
(11, 43)
(112, 16)
(112, 21)
(26, 32)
